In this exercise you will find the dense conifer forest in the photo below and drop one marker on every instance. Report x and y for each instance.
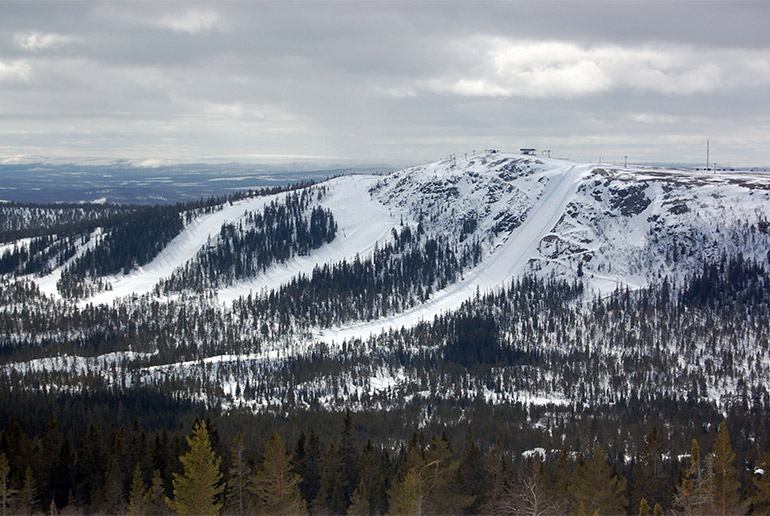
(332, 465)
(625, 431)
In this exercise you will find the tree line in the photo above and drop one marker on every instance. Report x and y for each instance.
(127, 470)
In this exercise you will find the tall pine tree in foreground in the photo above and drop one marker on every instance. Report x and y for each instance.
(594, 486)
(364, 497)
(693, 496)
(275, 485)
(6, 492)
(198, 489)
(155, 497)
(237, 485)
(726, 487)
(27, 501)
(138, 501)
(650, 482)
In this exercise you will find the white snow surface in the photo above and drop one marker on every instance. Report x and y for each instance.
(47, 283)
(361, 221)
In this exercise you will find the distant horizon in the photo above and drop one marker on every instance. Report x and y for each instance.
(316, 165)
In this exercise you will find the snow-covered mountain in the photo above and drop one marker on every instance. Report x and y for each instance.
(607, 225)
(415, 246)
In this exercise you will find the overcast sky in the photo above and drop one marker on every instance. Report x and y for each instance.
(385, 82)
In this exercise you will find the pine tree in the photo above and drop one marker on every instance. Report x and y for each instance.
(694, 494)
(649, 477)
(644, 508)
(597, 487)
(360, 503)
(155, 497)
(561, 476)
(348, 460)
(441, 480)
(6, 492)
(406, 495)
(726, 487)
(309, 466)
(472, 470)
(197, 489)
(368, 494)
(54, 472)
(384, 476)
(159, 454)
(90, 465)
(62, 475)
(113, 499)
(238, 483)
(27, 501)
(497, 473)
(329, 498)
(275, 485)
(138, 500)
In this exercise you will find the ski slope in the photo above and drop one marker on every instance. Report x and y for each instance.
(506, 262)
(180, 250)
(362, 223)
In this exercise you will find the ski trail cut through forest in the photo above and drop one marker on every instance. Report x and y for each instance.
(497, 269)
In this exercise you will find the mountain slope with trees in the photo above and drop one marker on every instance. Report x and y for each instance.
(445, 338)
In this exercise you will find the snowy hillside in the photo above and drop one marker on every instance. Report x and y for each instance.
(531, 215)
(493, 260)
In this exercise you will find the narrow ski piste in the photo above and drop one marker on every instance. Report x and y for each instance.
(496, 270)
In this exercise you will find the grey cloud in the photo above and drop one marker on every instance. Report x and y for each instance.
(382, 81)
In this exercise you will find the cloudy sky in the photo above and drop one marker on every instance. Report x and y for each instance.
(404, 82)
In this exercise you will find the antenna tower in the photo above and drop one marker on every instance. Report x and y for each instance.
(707, 155)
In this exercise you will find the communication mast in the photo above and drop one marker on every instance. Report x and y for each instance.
(707, 155)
